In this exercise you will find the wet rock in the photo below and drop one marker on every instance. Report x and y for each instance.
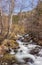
(35, 51)
(28, 60)
(35, 40)
(25, 38)
(21, 39)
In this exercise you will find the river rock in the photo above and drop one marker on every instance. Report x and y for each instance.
(35, 51)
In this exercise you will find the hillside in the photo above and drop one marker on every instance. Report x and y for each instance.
(30, 21)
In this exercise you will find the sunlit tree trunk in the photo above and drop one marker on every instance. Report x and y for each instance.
(11, 8)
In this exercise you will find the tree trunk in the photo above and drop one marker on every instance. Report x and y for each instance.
(11, 8)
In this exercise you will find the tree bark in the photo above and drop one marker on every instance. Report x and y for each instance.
(11, 8)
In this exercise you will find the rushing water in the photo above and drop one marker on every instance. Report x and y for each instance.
(28, 53)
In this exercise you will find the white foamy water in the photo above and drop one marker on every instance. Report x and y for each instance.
(23, 52)
(38, 61)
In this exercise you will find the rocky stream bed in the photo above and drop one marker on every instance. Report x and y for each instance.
(27, 53)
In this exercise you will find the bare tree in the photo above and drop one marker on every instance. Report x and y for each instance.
(23, 7)
(1, 24)
(11, 8)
